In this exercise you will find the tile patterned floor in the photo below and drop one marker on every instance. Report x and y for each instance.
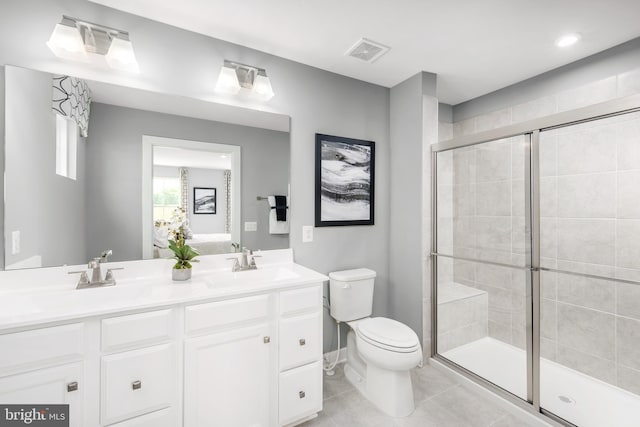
(440, 402)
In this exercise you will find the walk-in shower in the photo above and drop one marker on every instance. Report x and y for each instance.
(536, 256)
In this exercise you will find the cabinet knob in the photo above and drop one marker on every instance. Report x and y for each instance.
(302, 341)
(136, 385)
(72, 386)
(266, 340)
(301, 394)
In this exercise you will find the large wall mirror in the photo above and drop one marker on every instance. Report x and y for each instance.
(92, 167)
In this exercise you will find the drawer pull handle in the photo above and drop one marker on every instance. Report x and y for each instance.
(266, 340)
(136, 385)
(301, 394)
(302, 341)
(72, 386)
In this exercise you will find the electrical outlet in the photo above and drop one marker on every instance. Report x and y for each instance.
(307, 233)
(251, 226)
(15, 242)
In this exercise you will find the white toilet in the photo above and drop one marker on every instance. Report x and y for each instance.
(380, 351)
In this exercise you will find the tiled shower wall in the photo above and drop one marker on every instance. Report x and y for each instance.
(590, 222)
(481, 216)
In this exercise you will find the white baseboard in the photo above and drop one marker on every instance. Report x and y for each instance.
(330, 356)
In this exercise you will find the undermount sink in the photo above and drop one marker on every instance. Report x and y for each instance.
(251, 277)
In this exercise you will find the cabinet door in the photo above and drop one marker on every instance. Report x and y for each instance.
(60, 385)
(228, 378)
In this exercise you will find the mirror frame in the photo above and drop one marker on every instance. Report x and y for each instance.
(148, 143)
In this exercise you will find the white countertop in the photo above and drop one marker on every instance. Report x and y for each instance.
(35, 297)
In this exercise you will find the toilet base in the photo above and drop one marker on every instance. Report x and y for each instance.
(389, 391)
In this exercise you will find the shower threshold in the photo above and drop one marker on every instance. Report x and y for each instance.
(574, 396)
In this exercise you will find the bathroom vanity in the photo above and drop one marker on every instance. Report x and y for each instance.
(224, 349)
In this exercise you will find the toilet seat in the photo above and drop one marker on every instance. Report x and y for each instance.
(388, 334)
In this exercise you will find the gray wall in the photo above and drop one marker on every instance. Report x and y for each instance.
(46, 208)
(608, 63)
(409, 123)
(215, 178)
(316, 100)
(114, 156)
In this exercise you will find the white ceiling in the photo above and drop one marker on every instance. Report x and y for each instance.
(183, 158)
(475, 46)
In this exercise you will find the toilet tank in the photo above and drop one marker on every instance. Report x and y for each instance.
(351, 294)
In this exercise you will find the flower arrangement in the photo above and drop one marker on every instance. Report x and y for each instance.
(183, 253)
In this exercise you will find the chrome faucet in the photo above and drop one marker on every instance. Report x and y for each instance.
(247, 261)
(96, 273)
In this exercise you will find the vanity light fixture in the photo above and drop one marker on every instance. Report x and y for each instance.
(74, 39)
(568, 40)
(237, 78)
(66, 41)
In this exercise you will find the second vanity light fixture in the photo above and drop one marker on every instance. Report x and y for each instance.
(235, 77)
(74, 39)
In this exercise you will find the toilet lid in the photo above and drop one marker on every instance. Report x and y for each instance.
(388, 332)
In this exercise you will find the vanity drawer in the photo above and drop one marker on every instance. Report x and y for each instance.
(300, 300)
(199, 318)
(144, 328)
(300, 340)
(138, 382)
(162, 418)
(300, 393)
(22, 351)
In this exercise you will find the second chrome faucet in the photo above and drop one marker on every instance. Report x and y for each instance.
(247, 261)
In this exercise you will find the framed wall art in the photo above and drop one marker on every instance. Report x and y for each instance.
(204, 200)
(345, 176)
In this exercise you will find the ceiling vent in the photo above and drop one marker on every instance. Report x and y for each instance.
(367, 50)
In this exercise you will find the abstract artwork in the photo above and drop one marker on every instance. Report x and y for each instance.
(344, 181)
(204, 200)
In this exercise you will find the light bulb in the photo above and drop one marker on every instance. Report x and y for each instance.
(568, 40)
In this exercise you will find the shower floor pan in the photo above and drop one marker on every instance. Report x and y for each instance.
(576, 397)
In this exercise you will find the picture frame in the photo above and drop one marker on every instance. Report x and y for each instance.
(344, 181)
(204, 200)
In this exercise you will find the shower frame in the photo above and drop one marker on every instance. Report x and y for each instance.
(531, 131)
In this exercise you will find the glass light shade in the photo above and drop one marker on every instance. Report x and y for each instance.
(66, 42)
(228, 81)
(262, 87)
(121, 56)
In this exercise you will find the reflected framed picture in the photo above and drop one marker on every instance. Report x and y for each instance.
(345, 177)
(204, 200)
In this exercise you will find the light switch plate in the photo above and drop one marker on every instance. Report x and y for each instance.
(251, 226)
(15, 242)
(307, 233)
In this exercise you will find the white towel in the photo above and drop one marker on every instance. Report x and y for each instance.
(275, 226)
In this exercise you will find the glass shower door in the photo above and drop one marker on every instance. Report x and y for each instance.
(590, 278)
(482, 252)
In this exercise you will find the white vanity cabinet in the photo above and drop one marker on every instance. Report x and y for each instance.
(144, 378)
(300, 356)
(257, 361)
(228, 368)
(246, 359)
(55, 385)
(44, 366)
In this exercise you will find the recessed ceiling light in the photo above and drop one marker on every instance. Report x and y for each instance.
(568, 40)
